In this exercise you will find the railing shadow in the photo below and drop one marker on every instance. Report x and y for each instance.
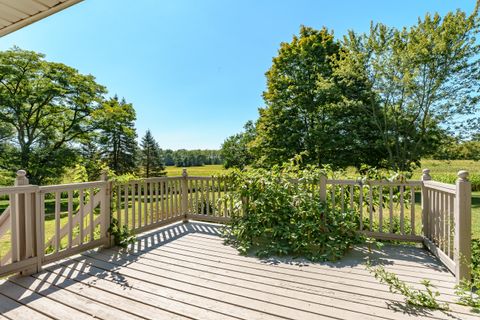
(87, 270)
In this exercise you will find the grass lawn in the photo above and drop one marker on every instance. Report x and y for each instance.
(208, 170)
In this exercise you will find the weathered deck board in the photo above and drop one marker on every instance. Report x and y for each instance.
(185, 271)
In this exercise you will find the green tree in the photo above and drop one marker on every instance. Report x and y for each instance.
(235, 149)
(151, 158)
(421, 79)
(310, 111)
(48, 107)
(117, 135)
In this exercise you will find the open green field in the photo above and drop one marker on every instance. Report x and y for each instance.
(209, 170)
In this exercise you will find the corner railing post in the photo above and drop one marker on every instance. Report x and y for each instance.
(27, 231)
(105, 208)
(425, 203)
(463, 227)
(184, 196)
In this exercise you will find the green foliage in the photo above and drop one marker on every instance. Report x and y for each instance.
(45, 113)
(277, 212)
(427, 298)
(116, 143)
(456, 149)
(468, 291)
(311, 110)
(421, 80)
(122, 236)
(151, 158)
(235, 150)
(190, 158)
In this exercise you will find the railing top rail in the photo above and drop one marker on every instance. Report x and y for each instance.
(72, 186)
(375, 182)
(18, 189)
(445, 187)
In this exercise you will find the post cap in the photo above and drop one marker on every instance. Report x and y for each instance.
(21, 179)
(463, 175)
(104, 175)
(21, 173)
(426, 174)
(184, 172)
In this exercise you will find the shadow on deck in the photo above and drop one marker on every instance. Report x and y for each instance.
(184, 271)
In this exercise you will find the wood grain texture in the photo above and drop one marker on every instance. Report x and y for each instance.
(184, 271)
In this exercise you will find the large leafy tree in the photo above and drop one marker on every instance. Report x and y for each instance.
(151, 158)
(47, 108)
(311, 111)
(117, 135)
(235, 150)
(422, 79)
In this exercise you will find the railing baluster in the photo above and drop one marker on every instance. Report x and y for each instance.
(119, 204)
(92, 197)
(172, 200)
(14, 234)
(145, 204)
(380, 209)
(162, 202)
(333, 196)
(390, 208)
(195, 209)
(360, 204)
(412, 209)
(157, 214)
(370, 206)
(351, 197)
(202, 197)
(220, 214)
(342, 198)
(139, 203)
(126, 203)
(208, 197)
(134, 205)
(70, 217)
(402, 210)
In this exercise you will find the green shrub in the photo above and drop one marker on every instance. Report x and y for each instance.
(468, 291)
(278, 212)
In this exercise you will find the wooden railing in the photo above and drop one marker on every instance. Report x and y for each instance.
(46, 223)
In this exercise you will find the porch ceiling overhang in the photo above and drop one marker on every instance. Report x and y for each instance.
(16, 14)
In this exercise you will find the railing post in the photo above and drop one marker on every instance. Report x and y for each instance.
(27, 231)
(425, 203)
(105, 208)
(323, 188)
(184, 197)
(463, 227)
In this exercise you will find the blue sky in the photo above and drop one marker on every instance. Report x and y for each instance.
(194, 69)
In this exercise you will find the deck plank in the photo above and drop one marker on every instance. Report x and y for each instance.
(184, 271)
(11, 309)
(87, 305)
(41, 304)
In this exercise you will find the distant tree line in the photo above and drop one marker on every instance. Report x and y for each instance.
(387, 98)
(189, 158)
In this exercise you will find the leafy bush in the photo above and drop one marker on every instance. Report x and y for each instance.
(468, 291)
(122, 236)
(279, 212)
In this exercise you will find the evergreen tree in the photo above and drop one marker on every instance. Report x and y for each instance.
(117, 136)
(151, 158)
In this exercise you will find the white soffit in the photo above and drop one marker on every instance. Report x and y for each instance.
(16, 14)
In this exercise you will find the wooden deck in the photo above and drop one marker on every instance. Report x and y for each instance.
(184, 271)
